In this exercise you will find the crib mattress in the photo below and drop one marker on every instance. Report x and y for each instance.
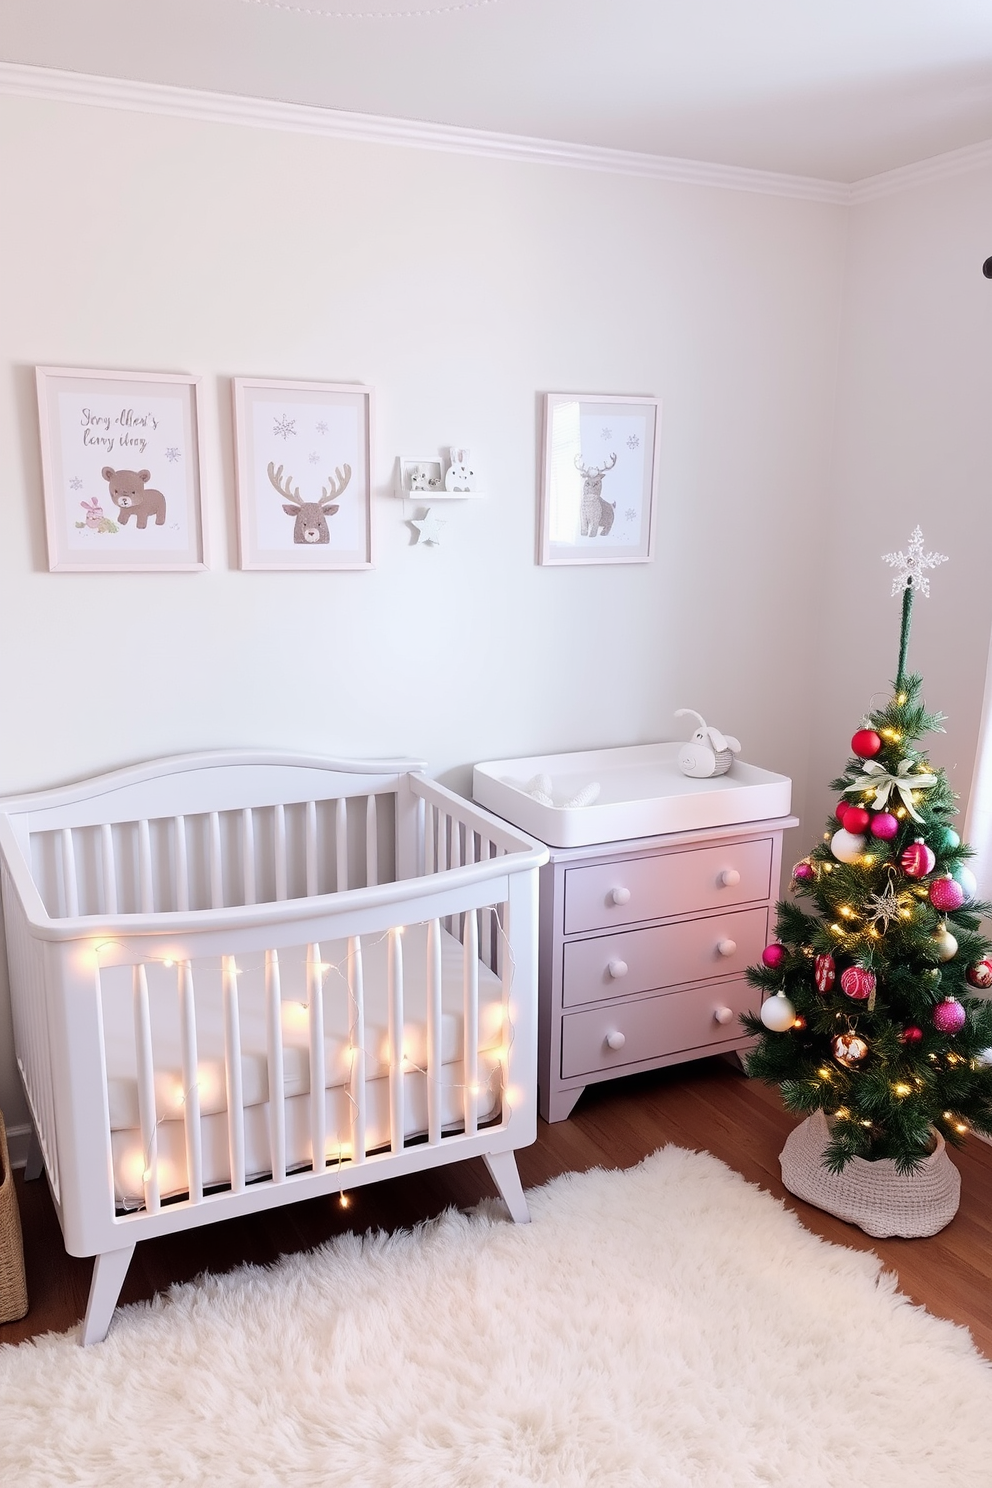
(164, 1009)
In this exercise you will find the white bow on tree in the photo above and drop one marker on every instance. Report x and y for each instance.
(883, 783)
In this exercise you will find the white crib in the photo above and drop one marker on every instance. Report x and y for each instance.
(240, 979)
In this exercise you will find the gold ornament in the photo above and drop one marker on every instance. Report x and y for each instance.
(849, 1049)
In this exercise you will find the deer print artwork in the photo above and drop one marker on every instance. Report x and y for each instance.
(311, 516)
(595, 514)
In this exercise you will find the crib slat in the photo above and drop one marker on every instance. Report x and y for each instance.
(182, 863)
(470, 1020)
(280, 850)
(146, 1089)
(371, 842)
(232, 1073)
(191, 1084)
(486, 915)
(311, 848)
(434, 1065)
(145, 886)
(250, 893)
(443, 821)
(429, 837)
(318, 1117)
(356, 991)
(69, 874)
(277, 1093)
(341, 841)
(395, 989)
(216, 863)
(109, 869)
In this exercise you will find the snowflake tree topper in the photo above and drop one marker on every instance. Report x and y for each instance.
(909, 566)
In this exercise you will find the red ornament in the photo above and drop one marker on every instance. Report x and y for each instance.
(804, 872)
(858, 983)
(949, 1016)
(841, 810)
(980, 975)
(773, 956)
(911, 1035)
(884, 826)
(866, 743)
(917, 860)
(946, 894)
(856, 820)
(824, 972)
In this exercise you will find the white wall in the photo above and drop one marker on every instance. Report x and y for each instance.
(460, 288)
(913, 445)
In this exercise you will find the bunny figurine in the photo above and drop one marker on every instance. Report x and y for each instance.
(459, 476)
(708, 752)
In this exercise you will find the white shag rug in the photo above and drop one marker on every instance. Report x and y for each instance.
(664, 1326)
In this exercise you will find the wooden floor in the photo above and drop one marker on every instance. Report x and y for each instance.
(707, 1106)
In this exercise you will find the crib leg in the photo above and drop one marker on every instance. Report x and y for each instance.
(109, 1271)
(503, 1171)
(35, 1164)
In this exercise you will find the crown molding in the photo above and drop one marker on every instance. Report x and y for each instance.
(20, 80)
(922, 172)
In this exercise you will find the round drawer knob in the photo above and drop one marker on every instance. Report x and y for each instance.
(727, 947)
(617, 969)
(723, 1014)
(729, 878)
(615, 1040)
(620, 896)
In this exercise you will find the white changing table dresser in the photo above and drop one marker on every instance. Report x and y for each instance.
(644, 940)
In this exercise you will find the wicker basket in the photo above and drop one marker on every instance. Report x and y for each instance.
(13, 1289)
(872, 1195)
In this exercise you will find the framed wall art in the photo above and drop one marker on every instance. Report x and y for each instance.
(304, 474)
(600, 470)
(120, 460)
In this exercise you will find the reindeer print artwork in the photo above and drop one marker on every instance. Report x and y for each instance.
(595, 514)
(311, 516)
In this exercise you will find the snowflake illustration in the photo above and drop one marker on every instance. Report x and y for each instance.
(606, 434)
(172, 454)
(322, 427)
(75, 484)
(909, 566)
(284, 427)
(633, 441)
(314, 458)
(630, 515)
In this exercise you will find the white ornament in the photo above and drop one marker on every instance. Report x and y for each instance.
(777, 1013)
(909, 566)
(708, 752)
(459, 476)
(429, 528)
(847, 847)
(947, 946)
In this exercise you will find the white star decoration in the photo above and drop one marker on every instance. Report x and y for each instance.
(909, 566)
(428, 527)
(886, 908)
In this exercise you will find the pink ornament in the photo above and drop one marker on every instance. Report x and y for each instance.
(949, 1016)
(856, 820)
(917, 860)
(773, 956)
(945, 894)
(858, 983)
(980, 975)
(911, 1035)
(884, 826)
(824, 972)
(866, 743)
(804, 872)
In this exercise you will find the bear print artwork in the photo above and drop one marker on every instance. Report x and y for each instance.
(133, 498)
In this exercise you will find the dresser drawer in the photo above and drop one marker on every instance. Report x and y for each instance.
(653, 1027)
(677, 883)
(662, 955)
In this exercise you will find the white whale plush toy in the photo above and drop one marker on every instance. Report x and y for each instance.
(708, 752)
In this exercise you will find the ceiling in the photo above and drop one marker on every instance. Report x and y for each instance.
(835, 89)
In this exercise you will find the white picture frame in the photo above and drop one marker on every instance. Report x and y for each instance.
(304, 474)
(121, 470)
(599, 478)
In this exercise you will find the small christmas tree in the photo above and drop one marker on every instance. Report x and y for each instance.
(872, 1018)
